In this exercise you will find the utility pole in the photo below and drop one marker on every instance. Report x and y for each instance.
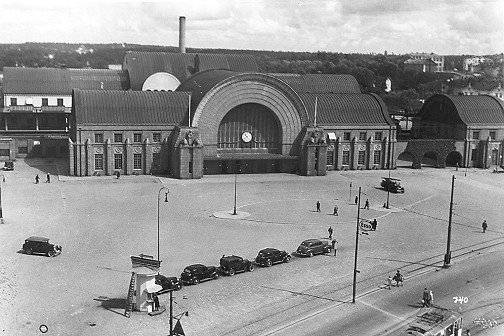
(171, 312)
(447, 257)
(356, 249)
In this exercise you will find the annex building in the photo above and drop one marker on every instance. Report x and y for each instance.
(194, 114)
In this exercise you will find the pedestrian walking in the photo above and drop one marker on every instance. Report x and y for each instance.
(335, 212)
(156, 302)
(48, 178)
(431, 298)
(484, 225)
(425, 298)
(366, 205)
(374, 223)
(318, 206)
(389, 282)
(37, 178)
(398, 278)
(330, 230)
(356, 200)
(117, 174)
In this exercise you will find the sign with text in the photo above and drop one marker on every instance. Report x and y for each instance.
(145, 262)
(365, 225)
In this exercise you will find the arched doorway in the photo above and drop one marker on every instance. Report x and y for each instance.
(405, 159)
(454, 159)
(430, 159)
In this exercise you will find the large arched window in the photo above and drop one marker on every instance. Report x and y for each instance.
(254, 119)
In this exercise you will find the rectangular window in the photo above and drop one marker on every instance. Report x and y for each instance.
(13, 101)
(45, 102)
(361, 158)
(156, 160)
(493, 135)
(137, 137)
(474, 154)
(156, 137)
(377, 157)
(378, 136)
(137, 161)
(98, 138)
(118, 137)
(118, 161)
(475, 135)
(60, 102)
(345, 160)
(4, 152)
(330, 158)
(362, 136)
(23, 150)
(346, 136)
(98, 162)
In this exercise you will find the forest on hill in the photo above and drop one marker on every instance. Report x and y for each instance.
(370, 70)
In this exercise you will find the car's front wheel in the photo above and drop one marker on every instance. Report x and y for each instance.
(250, 268)
(216, 276)
(232, 271)
(310, 254)
(51, 253)
(29, 251)
(287, 259)
(195, 282)
(269, 263)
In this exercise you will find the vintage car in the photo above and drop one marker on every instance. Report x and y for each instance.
(392, 185)
(168, 283)
(311, 247)
(194, 274)
(270, 256)
(40, 245)
(8, 165)
(231, 265)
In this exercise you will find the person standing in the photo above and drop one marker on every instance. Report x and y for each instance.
(156, 302)
(48, 178)
(330, 230)
(425, 298)
(334, 246)
(431, 298)
(37, 178)
(356, 200)
(389, 282)
(318, 206)
(374, 223)
(366, 205)
(335, 212)
(484, 225)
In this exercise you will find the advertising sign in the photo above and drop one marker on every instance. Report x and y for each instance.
(365, 225)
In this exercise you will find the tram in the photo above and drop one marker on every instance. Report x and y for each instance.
(433, 321)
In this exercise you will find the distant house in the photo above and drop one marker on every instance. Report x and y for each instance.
(438, 59)
(420, 65)
(83, 50)
(471, 64)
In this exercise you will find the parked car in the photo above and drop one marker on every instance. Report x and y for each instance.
(168, 283)
(311, 247)
(392, 185)
(40, 245)
(194, 274)
(8, 165)
(270, 256)
(231, 265)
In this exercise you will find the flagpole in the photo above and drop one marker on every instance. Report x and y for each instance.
(315, 118)
(189, 111)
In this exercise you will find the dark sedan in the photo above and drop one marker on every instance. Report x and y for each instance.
(194, 274)
(168, 283)
(270, 256)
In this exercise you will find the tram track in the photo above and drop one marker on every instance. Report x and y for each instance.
(297, 312)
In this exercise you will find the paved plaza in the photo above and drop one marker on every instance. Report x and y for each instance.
(101, 221)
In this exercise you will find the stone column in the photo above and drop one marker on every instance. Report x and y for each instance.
(147, 156)
(71, 158)
(109, 158)
(128, 158)
(89, 157)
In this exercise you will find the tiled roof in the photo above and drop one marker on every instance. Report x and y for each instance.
(474, 110)
(93, 107)
(61, 81)
(320, 83)
(420, 61)
(141, 65)
(346, 109)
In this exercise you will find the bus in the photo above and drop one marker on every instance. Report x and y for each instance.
(433, 321)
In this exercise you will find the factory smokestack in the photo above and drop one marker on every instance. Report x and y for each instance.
(182, 34)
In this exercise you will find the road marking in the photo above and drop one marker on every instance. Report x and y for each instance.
(77, 312)
(425, 199)
(383, 311)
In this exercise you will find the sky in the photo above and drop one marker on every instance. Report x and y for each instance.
(445, 27)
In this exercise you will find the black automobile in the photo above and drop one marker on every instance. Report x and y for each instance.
(194, 274)
(310, 247)
(8, 165)
(270, 256)
(231, 265)
(392, 185)
(40, 245)
(168, 283)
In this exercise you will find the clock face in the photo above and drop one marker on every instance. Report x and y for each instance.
(246, 136)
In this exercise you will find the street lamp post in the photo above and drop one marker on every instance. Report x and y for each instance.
(1, 212)
(166, 201)
(234, 209)
(356, 249)
(447, 257)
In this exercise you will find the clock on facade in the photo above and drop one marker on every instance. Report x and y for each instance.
(246, 137)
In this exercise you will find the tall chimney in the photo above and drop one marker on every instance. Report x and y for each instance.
(182, 34)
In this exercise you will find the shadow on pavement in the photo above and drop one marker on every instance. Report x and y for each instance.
(114, 305)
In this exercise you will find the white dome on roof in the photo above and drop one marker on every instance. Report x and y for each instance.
(161, 81)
